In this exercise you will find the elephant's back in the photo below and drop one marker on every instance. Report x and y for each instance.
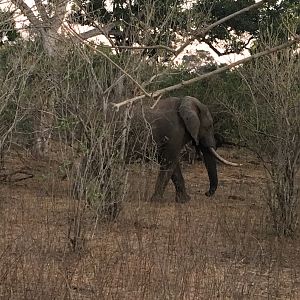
(167, 126)
(167, 104)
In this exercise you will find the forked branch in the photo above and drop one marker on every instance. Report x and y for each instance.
(210, 74)
(197, 34)
(201, 34)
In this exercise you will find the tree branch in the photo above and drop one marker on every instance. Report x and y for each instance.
(59, 14)
(90, 33)
(105, 30)
(75, 34)
(42, 11)
(196, 35)
(226, 52)
(210, 74)
(145, 47)
(212, 47)
(201, 34)
(27, 12)
(9, 176)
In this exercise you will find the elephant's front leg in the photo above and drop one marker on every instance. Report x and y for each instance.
(165, 173)
(178, 180)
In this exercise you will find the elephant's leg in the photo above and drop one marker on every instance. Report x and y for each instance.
(165, 173)
(178, 180)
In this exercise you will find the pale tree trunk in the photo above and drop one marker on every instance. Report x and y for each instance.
(45, 110)
(47, 25)
(43, 123)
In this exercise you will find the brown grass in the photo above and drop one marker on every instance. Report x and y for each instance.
(209, 248)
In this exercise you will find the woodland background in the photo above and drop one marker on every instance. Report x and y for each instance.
(76, 172)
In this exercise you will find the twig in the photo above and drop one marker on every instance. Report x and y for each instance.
(155, 103)
(210, 74)
(144, 47)
(75, 34)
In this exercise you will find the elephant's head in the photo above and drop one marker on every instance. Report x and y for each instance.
(199, 125)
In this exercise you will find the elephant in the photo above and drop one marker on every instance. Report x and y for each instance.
(176, 121)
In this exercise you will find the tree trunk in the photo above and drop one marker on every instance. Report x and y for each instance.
(46, 25)
(45, 110)
(43, 126)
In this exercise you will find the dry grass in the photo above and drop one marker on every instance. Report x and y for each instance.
(209, 248)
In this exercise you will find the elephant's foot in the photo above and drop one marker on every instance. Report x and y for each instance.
(182, 198)
(210, 193)
(156, 198)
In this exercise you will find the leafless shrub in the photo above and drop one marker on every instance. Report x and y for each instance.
(14, 122)
(97, 143)
(270, 125)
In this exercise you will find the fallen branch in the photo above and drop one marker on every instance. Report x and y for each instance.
(9, 176)
(210, 74)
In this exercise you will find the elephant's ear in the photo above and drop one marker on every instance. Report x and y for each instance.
(189, 114)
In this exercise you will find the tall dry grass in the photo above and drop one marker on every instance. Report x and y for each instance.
(206, 249)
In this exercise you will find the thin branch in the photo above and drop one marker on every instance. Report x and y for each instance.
(9, 176)
(201, 34)
(196, 35)
(213, 48)
(146, 83)
(59, 14)
(42, 11)
(156, 102)
(90, 33)
(226, 52)
(27, 11)
(75, 34)
(107, 31)
(145, 47)
(207, 75)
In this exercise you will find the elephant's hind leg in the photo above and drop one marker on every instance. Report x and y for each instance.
(165, 173)
(178, 181)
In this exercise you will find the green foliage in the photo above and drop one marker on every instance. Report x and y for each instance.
(151, 22)
(145, 22)
(231, 31)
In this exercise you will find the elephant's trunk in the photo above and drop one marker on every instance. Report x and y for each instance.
(221, 159)
(211, 167)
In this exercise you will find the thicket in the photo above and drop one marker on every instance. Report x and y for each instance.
(266, 110)
(256, 105)
(95, 142)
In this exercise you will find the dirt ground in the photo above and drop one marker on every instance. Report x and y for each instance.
(209, 248)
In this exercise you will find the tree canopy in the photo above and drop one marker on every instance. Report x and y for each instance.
(150, 22)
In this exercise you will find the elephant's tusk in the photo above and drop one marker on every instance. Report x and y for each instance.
(223, 160)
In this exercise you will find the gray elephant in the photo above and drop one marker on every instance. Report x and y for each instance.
(175, 122)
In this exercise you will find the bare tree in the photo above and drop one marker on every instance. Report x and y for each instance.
(45, 21)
